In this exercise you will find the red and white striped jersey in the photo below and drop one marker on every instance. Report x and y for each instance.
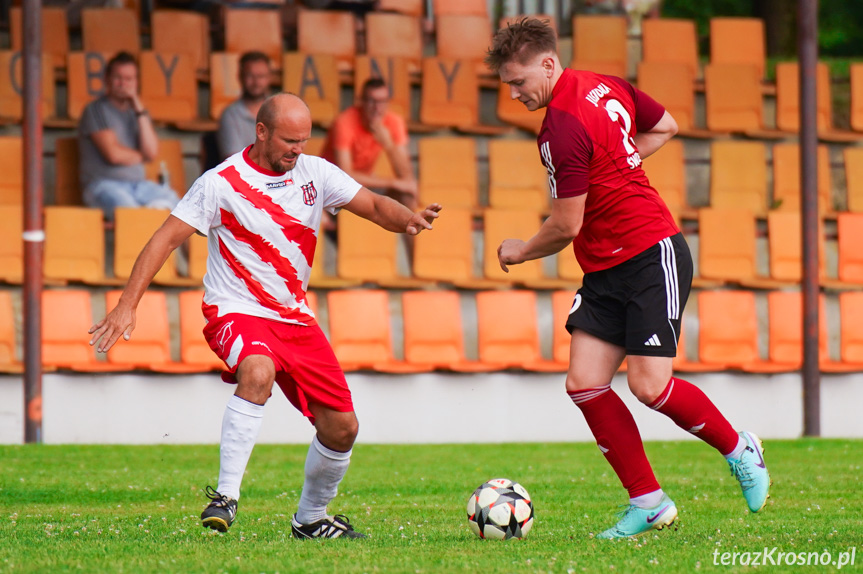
(261, 229)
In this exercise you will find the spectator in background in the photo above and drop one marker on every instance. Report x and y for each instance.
(359, 135)
(237, 123)
(115, 138)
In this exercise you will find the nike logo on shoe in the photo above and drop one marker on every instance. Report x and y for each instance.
(652, 518)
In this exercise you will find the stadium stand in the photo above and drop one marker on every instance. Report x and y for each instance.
(67, 186)
(850, 238)
(738, 41)
(194, 349)
(853, 157)
(732, 95)
(517, 178)
(568, 268)
(683, 364)
(599, 44)
(182, 32)
(500, 224)
(785, 247)
(786, 179)
(133, 227)
(666, 170)
(459, 8)
(856, 75)
(450, 93)
(74, 244)
(395, 35)
(168, 163)
(224, 82)
(674, 85)
(11, 170)
(394, 71)
(55, 34)
(738, 175)
(514, 112)
(448, 171)
(110, 30)
(320, 277)
(85, 80)
(11, 89)
(249, 30)
(464, 37)
(788, 97)
(9, 362)
(339, 40)
(315, 78)
(168, 87)
(11, 245)
(851, 327)
(670, 41)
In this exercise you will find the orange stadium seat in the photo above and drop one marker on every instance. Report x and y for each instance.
(110, 30)
(197, 257)
(785, 246)
(12, 87)
(194, 349)
(316, 80)
(168, 161)
(673, 85)
(11, 244)
(510, 338)
(55, 33)
(394, 71)
(448, 171)
(464, 37)
(9, 362)
(851, 327)
(738, 41)
(786, 178)
(252, 29)
(514, 112)
(11, 170)
(561, 304)
(732, 95)
(517, 178)
(433, 333)
(726, 244)
(450, 93)
(395, 35)
(74, 244)
(360, 332)
(853, 157)
(599, 44)
(182, 32)
(224, 81)
(315, 146)
(85, 80)
(67, 185)
(410, 7)
(133, 227)
(66, 318)
(168, 86)
(785, 332)
(670, 41)
(850, 238)
(460, 8)
(681, 363)
(856, 73)
(568, 268)
(666, 170)
(788, 97)
(338, 41)
(738, 175)
(320, 276)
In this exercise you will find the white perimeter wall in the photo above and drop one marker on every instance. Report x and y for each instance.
(428, 408)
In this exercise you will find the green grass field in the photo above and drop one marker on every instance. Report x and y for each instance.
(136, 509)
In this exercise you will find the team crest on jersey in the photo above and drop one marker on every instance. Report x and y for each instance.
(310, 194)
(277, 184)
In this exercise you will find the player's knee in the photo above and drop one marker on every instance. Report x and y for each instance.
(255, 381)
(645, 389)
(342, 436)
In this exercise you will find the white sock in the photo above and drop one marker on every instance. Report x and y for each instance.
(240, 427)
(325, 469)
(738, 450)
(649, 500)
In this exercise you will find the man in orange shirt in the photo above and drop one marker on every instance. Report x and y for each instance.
(360, 133)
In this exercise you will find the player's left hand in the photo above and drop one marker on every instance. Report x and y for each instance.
(509, 253)
(423, 219)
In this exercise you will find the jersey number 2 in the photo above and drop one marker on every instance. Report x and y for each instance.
(618, 114)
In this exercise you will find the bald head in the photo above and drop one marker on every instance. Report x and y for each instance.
(283, 107)
(284, 125)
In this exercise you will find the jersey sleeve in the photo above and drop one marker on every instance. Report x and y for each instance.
(648, 111)
(566, 152)
(199, 207)
(339, 188)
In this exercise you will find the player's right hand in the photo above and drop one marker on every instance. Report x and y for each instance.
(423, 219)
(120, 321)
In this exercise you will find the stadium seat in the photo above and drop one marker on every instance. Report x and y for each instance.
(197, 257)
(11, 244)
(11, 170)
(433, 333)
(110, 30)
(450, 93)
(568, 268)
(394, 72)
(856, 73)
(12, 88)
(682, 364)
(732, 95)
(85, 80)
(315, 79)
(464, 37)
(360, 332)
(448, 171)
(168, 86)
(853, 157)
(74, 244)
(67, 185)
(168, 162)
(517, 178)
(549, 19)
(55, 33)
(369, 253)
(785, 247)
(599, 44)
(133, 227)
(224, 81)
(9, 362)
(728, 332)
(851, 327)
(396, 36)
(788, 98)
(66, 318)
(850, 238)
(339, 39)
(182, 32)
(561, 341)
(673, 85)
(459, 8)
(514, 112)
(150, 345)
(666, 170)
(254, 29)
(414, 8)
(738, 41)
(786, 178)
(738, 175)
(319, 276)
(670, 41)
(507, 331)
(194, 349)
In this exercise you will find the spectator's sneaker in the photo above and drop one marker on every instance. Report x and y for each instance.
(220, 513)
(635, 520)
(329, 527)
(751, 472)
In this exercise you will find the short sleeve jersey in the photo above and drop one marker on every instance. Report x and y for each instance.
(261, 229)
(348, 133)
(586, 145)
(100, 115)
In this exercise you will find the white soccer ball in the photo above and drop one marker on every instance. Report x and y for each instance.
(500, 509)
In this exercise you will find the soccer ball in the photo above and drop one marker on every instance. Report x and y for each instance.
(500, 509)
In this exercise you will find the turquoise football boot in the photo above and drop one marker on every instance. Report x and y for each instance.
(751, 472)
(635, 520)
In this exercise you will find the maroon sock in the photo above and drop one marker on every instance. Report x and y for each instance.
(617, 437)
(691, 410)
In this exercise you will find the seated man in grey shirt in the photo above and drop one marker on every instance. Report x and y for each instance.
(237, 123)
(115, 138)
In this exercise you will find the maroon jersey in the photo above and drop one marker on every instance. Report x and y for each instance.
(586, 144)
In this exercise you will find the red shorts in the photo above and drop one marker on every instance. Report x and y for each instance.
(307, 370)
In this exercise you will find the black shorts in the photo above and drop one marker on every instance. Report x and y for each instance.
(637, 304)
